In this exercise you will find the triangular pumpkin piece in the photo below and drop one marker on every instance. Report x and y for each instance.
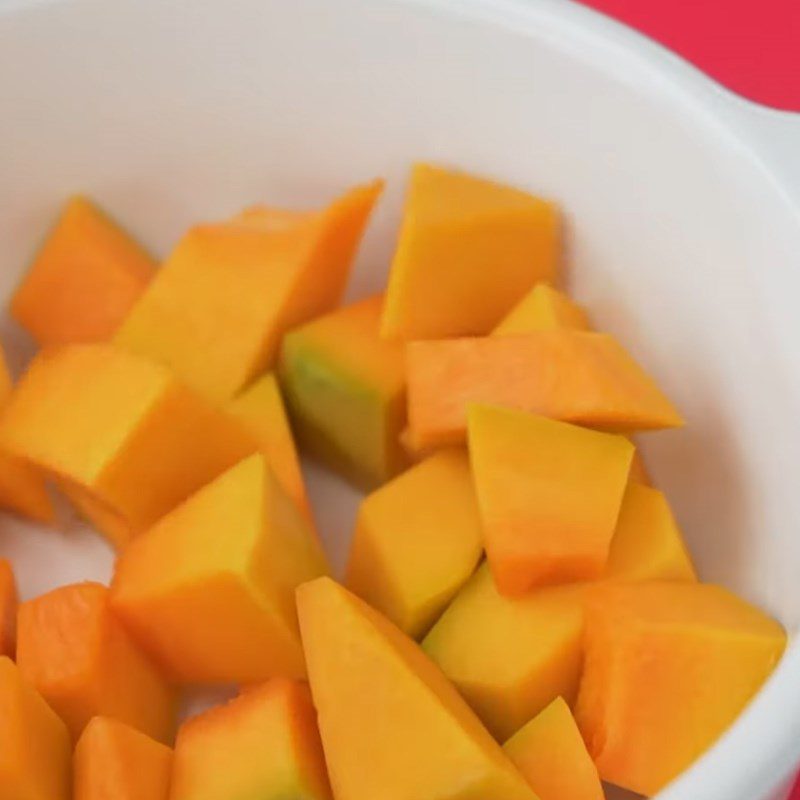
(550, 753)
(392, 725)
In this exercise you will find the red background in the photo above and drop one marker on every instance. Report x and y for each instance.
(751, 46)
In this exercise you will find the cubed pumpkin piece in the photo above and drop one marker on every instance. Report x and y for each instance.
(262, 744)
(417, 540)
(230, 557)
(83, 281)
(22, 488)
(469, 249)
(35, 748)
(669, 666)
(119, 432)
(550, 753)
(393, 727)
(217, 309)
(113, 760)
(549, 495)
(345, 391)
(574, 376)
(510, 657)
(543, 308)
(261, 411)
(82, 661)
(647, 543)
(8, 609)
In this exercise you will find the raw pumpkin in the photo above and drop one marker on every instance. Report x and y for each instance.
(119, 433)
(262, 744)
(84, 279)
(76, 653)
(543, 308)
(510, 657)
(217, 309)
(392, 725)
(417, 540)
(469, 249)
(549, 495)
(261, 411)
(574, 376)
(22, 487)
(345, 391)
(669, 666)
(550, 753)
(35, 748)
(113, 761)
(229, 558)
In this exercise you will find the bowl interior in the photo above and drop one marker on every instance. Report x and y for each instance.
(678, 242)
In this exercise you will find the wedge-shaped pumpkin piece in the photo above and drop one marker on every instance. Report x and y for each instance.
(83, 281)
(35, 748)
(345, 391)
(647, 543)
(218, 307)
(392, 725)
(113, 760)
(22, 488)
(8, 609)
(119, 433)
(469, 249)
(262, 744)
(510, 657)
(82, 661)
(543, 308)
(209, 589)
(549, 495)
(550, 753)
(669, 666)
(574, 376)
(261, 411)
(417, 540)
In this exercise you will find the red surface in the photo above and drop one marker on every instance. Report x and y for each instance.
(751, 46)
(795, 795)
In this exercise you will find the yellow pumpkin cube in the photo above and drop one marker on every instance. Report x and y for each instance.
(35, 748)
(647, 543)
(417, 540)
(209, 589)
(669, 666)
(469, 248)
(345, 392)
(84, 279)
(22, 487)
(510, 657)
(549, 495)
(263, 744)
(543, 308)
(217, 309)
(550, 753)
(119, 433)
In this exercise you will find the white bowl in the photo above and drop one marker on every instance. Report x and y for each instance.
(683, 205)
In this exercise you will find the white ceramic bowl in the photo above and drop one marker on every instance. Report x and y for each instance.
(683, 205)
